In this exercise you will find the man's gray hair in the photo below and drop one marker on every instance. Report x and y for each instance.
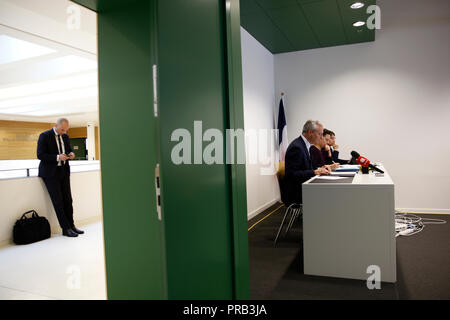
(311, 125)
(61, 120)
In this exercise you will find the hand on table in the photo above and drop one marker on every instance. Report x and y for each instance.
(334, 166)
(322, 171)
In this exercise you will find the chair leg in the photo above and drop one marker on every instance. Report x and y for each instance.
(291, 221)
(297, 213)
(300, 213)
(281, 225)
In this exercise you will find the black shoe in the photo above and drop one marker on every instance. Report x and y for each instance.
(70, 233)
(77, 230)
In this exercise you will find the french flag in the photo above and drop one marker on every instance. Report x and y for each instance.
(282, 131)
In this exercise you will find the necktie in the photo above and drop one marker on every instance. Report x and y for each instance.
(60, 144)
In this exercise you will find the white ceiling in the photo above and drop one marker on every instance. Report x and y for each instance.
(47, 70)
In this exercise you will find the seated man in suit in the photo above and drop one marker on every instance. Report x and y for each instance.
(54, 151)
(298, 165)
(330, 138)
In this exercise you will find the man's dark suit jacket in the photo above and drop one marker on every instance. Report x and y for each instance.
(298, 169)
(47, 151)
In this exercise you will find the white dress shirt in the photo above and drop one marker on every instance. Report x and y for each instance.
(308, 145)
(60, 144)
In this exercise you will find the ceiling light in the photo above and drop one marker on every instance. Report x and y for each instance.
(49, 86)
(65, 111)
(14, 49)
(357, 5)
(359, 23)
(18, 110)
(54, 97)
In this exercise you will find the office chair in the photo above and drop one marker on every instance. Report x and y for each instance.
(293, 209)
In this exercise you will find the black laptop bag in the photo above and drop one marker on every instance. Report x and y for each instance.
(31, 229)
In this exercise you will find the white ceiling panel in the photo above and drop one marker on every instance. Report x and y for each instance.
(47, 74)
(13, 49)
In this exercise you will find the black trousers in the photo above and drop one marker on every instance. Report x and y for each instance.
(59, 190)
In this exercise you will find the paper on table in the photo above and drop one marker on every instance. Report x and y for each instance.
(349, 166)
(331, 177)
(347, 169)
(342, 173)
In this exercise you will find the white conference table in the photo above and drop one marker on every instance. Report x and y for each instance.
(349, 226)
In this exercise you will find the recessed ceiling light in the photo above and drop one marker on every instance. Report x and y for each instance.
(359, 23)
(357, 5)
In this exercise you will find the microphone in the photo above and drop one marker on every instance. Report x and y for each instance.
(366, 163)
(355, 154)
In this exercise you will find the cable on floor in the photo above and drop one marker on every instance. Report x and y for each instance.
(408, 224)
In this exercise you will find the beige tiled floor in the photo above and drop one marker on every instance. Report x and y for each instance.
(56, 268)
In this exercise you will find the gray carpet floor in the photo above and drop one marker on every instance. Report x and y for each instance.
(423, 266)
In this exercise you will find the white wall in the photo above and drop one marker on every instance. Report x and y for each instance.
(389, 99)
(259, 101)
(20, 195)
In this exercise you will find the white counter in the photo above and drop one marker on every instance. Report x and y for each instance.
(348, 227)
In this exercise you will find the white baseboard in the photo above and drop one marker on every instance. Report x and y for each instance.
(424, 210)
(254, 213)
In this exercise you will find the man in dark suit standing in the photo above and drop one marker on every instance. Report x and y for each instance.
(298, 164)
(54, 151)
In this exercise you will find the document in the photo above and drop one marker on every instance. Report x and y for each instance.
(343, 173)
(331, 178)
(349, 166)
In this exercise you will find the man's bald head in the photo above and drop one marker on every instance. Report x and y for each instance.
(62, 126)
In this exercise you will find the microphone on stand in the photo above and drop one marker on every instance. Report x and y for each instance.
(355, 155)
(364, 162)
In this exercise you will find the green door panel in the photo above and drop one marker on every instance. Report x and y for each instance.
(196, 199)
(133, 234)
(237, 171)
